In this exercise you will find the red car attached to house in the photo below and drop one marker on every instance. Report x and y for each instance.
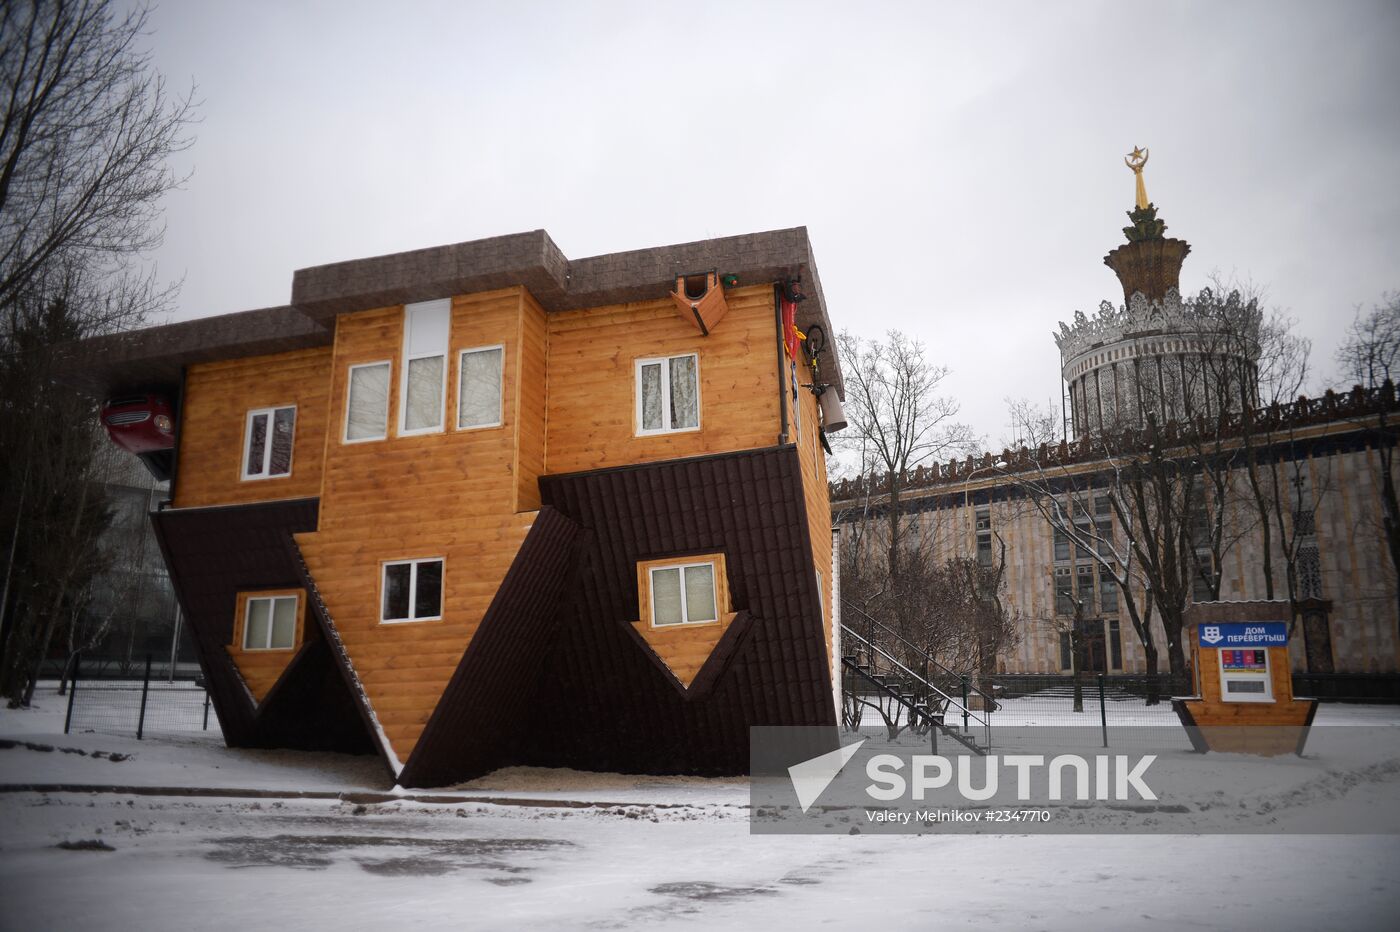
(143, 425)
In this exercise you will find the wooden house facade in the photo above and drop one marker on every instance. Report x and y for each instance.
(482, 505)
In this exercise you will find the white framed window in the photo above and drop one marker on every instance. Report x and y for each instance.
(270, 623)
(411, 590)
(267, 442)
(423, 383)
(683, 594)
(668, 394)
(367, 402)
(480, 373)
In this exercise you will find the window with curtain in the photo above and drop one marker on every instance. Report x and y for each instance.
(270, 623)
(479, 387)
(668, 394)
(683, 594)
(367, 402)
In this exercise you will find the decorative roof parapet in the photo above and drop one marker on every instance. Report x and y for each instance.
(1305, 412)
(1141, 316)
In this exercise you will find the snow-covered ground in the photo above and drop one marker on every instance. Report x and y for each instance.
(678, 854)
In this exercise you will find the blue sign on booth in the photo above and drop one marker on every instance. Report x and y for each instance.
(1247, 634)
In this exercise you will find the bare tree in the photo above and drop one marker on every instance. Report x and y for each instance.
(87, 133)
(944, 609)
(1123, 502)
(85, 140)
(898, 421)
(1370, 357)
(1253, 363)
(953, 619)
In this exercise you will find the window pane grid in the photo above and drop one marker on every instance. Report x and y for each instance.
(479, 387)
(668, 394)
(685, 409)
(268, 442)
(423, 395)
(683, 595)
(280, 453)
(257, 444)
(700, 593)
(270, 623)
(651, 397)
(367, 402)
(412, 591)
(427, 330)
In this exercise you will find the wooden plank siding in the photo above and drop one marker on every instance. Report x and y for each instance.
(817, 498)
(451, 494)
(592, 381)
(214, 416)
(532, 385)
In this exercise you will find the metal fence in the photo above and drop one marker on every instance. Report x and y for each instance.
(1107, 710)
(1090, 710)
(148, 705)
(1348, 687)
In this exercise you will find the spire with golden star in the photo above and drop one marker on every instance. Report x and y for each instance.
(1136, 160)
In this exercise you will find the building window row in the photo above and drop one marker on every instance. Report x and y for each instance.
(423, 382)
(683, 593)
(667, 394)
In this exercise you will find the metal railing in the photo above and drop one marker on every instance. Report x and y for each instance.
(954, 682)
(937, 701)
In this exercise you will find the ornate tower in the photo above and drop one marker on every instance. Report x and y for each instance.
(1156, 356)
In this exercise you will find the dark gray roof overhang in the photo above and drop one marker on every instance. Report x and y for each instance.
(155, 356)
(118, 363)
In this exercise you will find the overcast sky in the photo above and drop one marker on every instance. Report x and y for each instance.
(959, 166)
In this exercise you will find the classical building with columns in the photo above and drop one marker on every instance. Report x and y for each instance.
(1177, 366)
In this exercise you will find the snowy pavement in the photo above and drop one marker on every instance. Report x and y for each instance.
(679, 855)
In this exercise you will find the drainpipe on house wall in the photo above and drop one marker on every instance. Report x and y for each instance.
(836, 621)
(782, 369)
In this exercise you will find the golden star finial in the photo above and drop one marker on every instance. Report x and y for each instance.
(1136, 160)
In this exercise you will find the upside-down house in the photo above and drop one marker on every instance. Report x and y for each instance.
(483, 505)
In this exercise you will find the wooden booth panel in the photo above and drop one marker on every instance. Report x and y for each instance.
(592, 357)
(214, 416)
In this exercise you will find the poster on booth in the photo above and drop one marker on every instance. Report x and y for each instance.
(1248, 660)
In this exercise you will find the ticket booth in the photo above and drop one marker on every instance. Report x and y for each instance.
(1243, 700)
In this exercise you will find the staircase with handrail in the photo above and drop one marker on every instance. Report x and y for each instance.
(927, 691)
